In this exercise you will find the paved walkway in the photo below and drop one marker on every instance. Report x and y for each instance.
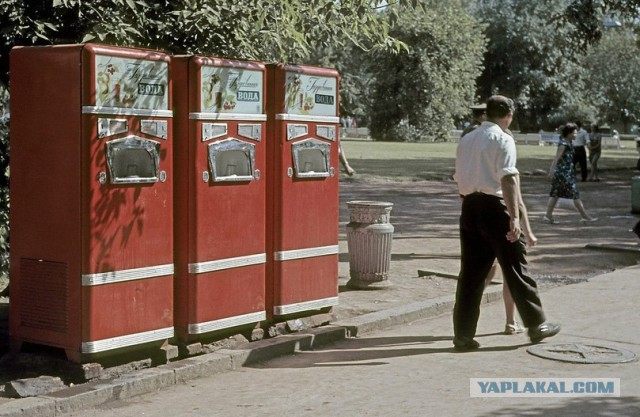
(408, 369)
(411, 369)
(600, 311)
(410, 319)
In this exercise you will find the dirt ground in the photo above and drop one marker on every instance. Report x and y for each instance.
(425, 216)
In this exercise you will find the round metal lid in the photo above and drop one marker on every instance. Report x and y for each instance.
(582, 353)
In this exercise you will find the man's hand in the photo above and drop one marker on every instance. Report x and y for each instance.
(513, 235)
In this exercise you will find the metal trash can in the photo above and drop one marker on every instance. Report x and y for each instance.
(635, 194)
(369, 237)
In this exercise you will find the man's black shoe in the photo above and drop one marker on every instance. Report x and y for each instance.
(536, 334)
(463, 344)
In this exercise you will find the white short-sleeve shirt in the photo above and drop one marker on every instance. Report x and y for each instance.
(483, 157)
(582, 138)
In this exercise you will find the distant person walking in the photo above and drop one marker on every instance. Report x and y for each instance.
(493, 223)
(479, 115)
(638, 149)
(345, 163)
(579, 145)
(563, 181)
(595, 150)
(348, 121)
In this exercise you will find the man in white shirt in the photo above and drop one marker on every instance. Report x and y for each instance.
(579, 146)
(493, 224)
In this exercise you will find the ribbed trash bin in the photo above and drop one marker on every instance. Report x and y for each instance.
(635, 194)
(369, 237)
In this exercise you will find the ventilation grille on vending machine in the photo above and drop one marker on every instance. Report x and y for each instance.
(43, 294)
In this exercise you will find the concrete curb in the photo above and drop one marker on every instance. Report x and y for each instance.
(96, 393)
(408, 313)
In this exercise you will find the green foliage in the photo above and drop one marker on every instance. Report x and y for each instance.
(419, 92)
(351, 62)
(266, 30)
(530, 59)
(402, 132)
(582, 20)
(614, 68)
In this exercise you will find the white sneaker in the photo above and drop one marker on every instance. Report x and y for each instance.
(590, 220)
(514, 328)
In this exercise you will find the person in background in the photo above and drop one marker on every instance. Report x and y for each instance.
(636, 228)
(479, 113)
(345, 163)
(638, 149)
(493, 224)
(348, 122)
(345, 122)
(595, 149)
(563, 180)
(579, 146)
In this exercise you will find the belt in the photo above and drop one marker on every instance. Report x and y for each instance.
(481, 195)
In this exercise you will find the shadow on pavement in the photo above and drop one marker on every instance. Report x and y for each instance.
(352, 352)
(581, 406)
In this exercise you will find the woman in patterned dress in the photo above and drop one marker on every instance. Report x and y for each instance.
(563, 179)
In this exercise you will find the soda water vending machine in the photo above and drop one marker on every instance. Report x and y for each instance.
(302, 193)
(219, 194)
(91, 199)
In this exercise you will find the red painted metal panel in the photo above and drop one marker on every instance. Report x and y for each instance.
(302, 212)
(126, 226)
(217, 220)
(226, 294)
(45, 182)
(127, 308)
(66, 215)
(303, 280)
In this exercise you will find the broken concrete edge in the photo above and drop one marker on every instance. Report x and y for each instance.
(95, 393)
(32, 387)
(426, 273)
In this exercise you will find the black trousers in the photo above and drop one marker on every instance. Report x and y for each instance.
(484, 224)
(581, 159)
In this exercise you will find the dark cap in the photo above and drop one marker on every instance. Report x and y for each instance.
(499, 106)
(482, 106)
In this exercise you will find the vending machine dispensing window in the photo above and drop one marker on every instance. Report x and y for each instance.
(232, 160)
(311, 159)
(133, 160)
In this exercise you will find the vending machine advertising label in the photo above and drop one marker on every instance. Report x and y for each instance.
(92, 198)
(219, 194)
(302, 202)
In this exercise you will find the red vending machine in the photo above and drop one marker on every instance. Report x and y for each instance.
(219, 194)
(91, 198)
(302, 191)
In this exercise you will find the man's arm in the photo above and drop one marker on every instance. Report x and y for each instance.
(511, 195)
(519, 222)
(524, 219)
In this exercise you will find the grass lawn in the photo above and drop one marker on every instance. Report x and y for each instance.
(398, 161)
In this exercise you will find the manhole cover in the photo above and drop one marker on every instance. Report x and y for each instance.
(581, 353)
